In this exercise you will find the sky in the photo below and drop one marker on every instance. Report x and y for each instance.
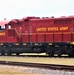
(17, 9)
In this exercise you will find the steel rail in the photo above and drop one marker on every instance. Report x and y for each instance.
(39, 65)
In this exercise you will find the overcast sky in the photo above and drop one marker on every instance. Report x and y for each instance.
(11, 9)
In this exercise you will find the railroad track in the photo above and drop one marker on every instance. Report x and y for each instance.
(39, 65)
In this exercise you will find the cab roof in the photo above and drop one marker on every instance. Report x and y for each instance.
(3, 22)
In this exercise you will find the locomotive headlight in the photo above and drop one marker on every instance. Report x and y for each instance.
(17, 43)
(1, 44)
(72, 43)
(24, 43)
(36, 43)
(50, 44)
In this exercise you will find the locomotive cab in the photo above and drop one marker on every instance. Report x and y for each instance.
(3, 37)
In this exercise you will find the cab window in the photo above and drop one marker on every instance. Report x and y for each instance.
(2, 27)
(9, 26)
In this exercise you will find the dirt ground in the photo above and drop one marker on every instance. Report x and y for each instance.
(14, 70)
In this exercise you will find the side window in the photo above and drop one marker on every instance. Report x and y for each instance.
(2, 27)
(9, 26)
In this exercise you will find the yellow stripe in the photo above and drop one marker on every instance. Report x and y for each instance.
(41, 33)
(48, 33)
(2, 33)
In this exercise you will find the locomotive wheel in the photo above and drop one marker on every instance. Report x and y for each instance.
(51, 55)
(50, 51)
(59, 55)
(8, 53)
(36, 50)
(70, 55)
(7, 50)
(17, 54)
(2, 51)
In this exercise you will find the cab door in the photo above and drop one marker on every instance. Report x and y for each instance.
(25, 32)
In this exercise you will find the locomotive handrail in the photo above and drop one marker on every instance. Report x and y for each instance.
(14, 29)
(42, 33)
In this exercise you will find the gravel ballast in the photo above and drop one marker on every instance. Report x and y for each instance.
(4, 69)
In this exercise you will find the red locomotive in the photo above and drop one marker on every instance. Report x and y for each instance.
(38, 35)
